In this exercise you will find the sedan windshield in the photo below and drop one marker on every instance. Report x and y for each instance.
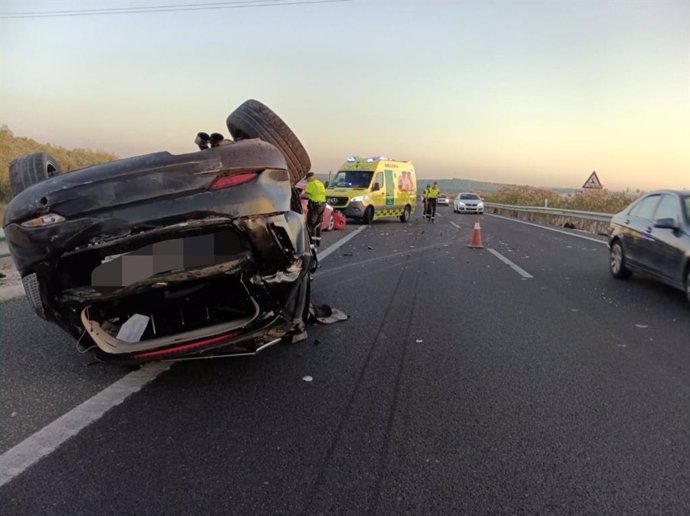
(351, 179)
(469, 196)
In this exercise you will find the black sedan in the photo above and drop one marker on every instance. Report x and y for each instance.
(652, 236)
(168, 256)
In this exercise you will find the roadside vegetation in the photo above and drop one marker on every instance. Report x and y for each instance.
(601, 201)
(13, 147)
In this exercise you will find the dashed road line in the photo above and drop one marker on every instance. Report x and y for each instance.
(522, 272)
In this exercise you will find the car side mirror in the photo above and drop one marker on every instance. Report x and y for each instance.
(376, 187)
(666, 223)
(325, 184)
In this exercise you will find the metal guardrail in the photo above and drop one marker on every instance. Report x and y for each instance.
(589, 215)
(593, 222)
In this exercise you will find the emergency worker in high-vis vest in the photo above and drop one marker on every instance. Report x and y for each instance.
(431, 198)
(315, 192)
(424, 201)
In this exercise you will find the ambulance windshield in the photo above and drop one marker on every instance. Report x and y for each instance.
(351, 179)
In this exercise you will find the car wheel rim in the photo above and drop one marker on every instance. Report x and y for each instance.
(616, 258)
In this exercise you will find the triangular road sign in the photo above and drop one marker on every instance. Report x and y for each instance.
(593, 182)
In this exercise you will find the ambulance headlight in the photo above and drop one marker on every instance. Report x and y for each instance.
(360, 198)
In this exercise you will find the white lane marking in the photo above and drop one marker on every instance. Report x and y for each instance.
(522, 272)
(454, 224)
(323, 254)
(591, 239)
(32, 449)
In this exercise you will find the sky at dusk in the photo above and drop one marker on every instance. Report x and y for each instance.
(523, 92)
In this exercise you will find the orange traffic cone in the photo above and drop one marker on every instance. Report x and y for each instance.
(476, 242)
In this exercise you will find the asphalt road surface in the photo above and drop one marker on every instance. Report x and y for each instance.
(518, 378)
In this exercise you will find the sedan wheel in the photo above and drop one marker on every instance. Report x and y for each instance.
(331, 223)
(32, 169)
(617, 261)
(252, 119)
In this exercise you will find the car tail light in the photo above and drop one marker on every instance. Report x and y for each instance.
(233, 180)
(43, 221)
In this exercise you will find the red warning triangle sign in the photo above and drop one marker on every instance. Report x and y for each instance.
(593, 182)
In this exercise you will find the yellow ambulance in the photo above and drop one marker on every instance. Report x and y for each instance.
(373, 188)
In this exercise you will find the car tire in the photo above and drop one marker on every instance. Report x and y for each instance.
(687, 283)
(252, 119)
(368, 215)
(32, 169)
(405, 217)
(617, 264)
(331, 223)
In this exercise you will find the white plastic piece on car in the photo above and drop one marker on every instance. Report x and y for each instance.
(132, 330)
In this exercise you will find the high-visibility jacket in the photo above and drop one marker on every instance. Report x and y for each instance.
(315, 191)
(433, 193)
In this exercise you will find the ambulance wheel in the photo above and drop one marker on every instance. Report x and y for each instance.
(252, 119)
(32, 169)
(368, 215)
(405, 214)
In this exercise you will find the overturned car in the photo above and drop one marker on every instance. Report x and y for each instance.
(168, 257)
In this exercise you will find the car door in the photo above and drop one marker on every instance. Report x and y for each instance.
(638, 238)
(378, 196)
(666, 246)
